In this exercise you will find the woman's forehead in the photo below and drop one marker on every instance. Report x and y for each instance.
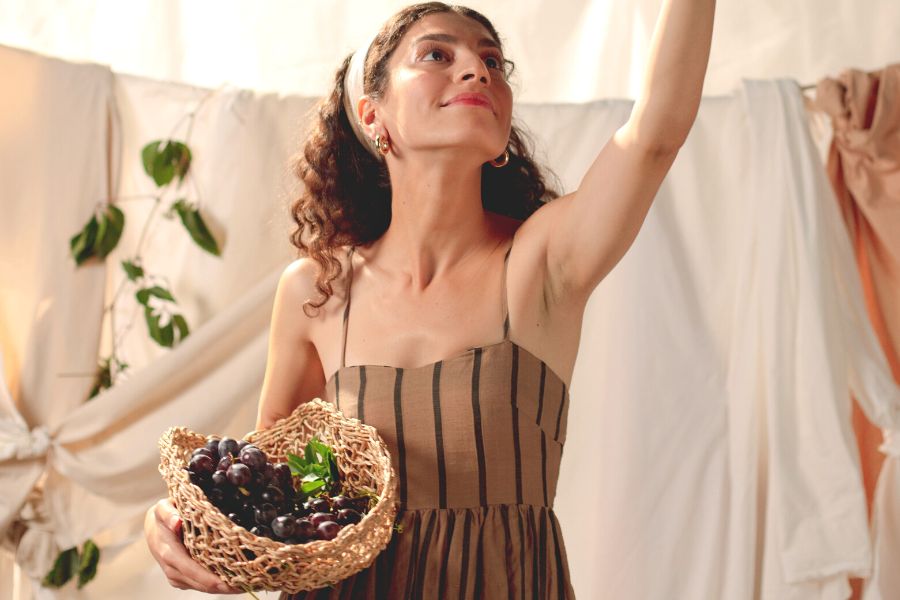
(450, 23)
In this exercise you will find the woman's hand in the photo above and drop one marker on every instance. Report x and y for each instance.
(162, 528)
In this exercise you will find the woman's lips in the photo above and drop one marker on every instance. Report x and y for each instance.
(471, 100)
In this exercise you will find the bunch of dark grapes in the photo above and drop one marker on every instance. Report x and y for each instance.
(260, 496)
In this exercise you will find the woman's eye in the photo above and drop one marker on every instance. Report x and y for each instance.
(497, 63)
(431, 51)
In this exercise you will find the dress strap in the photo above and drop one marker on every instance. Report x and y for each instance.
(347, 308)
(503, 303)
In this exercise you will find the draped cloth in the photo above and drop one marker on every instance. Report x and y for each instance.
(864, 169)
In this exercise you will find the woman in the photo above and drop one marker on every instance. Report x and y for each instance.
(469, 291)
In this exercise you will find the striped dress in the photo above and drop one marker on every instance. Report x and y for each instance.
(476, 440)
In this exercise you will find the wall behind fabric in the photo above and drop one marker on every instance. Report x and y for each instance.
(569, 51)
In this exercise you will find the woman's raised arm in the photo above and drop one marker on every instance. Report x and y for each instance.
(585, 233)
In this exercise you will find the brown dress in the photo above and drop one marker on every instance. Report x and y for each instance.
(476, 441)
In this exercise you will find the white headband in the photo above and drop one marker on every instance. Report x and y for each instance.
(353, 90)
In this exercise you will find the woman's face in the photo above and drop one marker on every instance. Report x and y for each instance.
(426, 74)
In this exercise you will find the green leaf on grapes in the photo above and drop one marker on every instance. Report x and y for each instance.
(87, 567)
(64, 568)
(309, 453)
(82, 244)
(309, 487)
(133, 271)
(196, 226)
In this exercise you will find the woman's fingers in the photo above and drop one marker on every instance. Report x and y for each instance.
(163, 527)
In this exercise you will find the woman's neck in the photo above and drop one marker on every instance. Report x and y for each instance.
(437, 222)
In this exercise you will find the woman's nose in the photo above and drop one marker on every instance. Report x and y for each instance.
(475, 67)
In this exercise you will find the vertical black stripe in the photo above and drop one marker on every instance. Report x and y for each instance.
(544, 464)
(423, 562)
(479, 555)
(562, 403)
(360, 401)
(504, 517)
(337, 390)
(561, 591)
(445, 555)
(413, 555)
(541, 395)
(398, 425)
(479, 440)
(535, 581)
(521, 553)
(513, 390)
(542, 553)
(464, 575)
(346, 588)
(439, 434)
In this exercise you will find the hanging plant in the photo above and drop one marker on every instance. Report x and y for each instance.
(164, 161)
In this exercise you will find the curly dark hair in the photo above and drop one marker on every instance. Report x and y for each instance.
(347, 195)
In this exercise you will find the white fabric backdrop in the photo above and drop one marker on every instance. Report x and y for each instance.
(568, 51)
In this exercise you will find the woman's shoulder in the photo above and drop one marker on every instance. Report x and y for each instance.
(300, 279)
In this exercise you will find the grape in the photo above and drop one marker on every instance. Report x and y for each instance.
(216, 496)
(219, 479)
(228, 446)
(283, 475)
(236, 518)
(304, 528)
(203, 465)
(320, 505)
(204, 451)
(254, 458)
(224, 463)
(320, 517)
(261, 531)
(269, 472)
(272, 495)
(341, 502)
(328, 530)
(346, 516)
(196, 478)
(212, 444)
(265, 514)
(242, 444)
(283, 526)
(239, 474)
(258, 481)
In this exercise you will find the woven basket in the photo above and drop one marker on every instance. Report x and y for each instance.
(217, 543)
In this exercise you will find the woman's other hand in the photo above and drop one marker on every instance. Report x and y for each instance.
(162, 528)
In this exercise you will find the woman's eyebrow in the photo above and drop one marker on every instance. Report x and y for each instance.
(444, 37)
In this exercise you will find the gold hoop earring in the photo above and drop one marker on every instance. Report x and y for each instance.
(382, 143)
(503, 161)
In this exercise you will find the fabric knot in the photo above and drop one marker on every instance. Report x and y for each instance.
(891, 444)
(16, 441)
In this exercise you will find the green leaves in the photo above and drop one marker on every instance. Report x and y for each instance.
(193, 222)
(317, 467)
(87, 567)
(133, 271)
(103, 377)
(163, 160)
(162, 321)
(70, 563)
(98, 237)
